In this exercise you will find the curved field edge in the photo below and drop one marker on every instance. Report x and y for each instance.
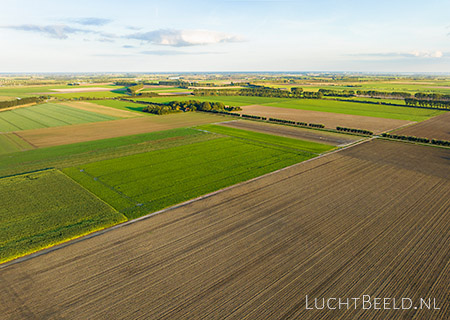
(41, 209)
(143, 183)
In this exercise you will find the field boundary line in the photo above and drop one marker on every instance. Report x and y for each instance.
(150, 215)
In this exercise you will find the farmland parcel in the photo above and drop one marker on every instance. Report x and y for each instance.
(143, 183)
(45, 208)
(359, 221)
(46, 115)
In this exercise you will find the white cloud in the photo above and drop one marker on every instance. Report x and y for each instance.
(182, 38)
(428, 54)
(55, 31)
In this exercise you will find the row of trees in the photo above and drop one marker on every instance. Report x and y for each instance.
(185, 106)
(21, 101)
(337, 93)
(260, 91)
(352, 130)
(431, 96)
(383, 94)
(417, 139)
(437, 104)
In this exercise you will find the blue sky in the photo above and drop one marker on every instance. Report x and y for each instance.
(227, 35)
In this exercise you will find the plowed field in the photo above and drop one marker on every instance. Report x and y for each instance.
(369, 220)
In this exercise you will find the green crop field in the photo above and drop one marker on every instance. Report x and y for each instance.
(353, 108)
(360, 109)
(9, 143)
(26, 91)
(267, 138)
(93, 94)
(46, 115)
(85, 152)
(143, 183)
(123, 105)
(44, 208)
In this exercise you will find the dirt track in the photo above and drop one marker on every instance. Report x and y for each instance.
(330, 120)
(47, 137)
(330, 138)
(434, 128)
(372, 219)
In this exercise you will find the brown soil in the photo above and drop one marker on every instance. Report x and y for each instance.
(55, 136)
(330, 138)
(102, 109)
(330, 120)
(363, 221)
(435, 128)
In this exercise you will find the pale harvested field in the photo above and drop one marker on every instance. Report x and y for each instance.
(102, 109)
(47, 137)
(372, 219)
(84, 89)
(435, 128)
(330, 138)
(330, 120)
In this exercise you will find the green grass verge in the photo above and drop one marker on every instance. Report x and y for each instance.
(139, 184)
(44, 208)
(268, 138)
(46, 115)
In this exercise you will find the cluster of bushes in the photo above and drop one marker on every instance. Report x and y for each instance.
(352, 130)
(316, 125)
(22, 101)
(160, 109)
(189, 105)
(436, 104)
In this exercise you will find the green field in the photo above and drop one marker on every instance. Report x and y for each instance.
(94, 94)
(85, 152)
(44, 208)
(9, 143)
(46, 115)
(26, 91)
(138, 184)
(122, 105)
(354, 108)
(267, 138)
(161, 90)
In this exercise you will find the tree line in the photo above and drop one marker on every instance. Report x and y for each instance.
(436, 104)
(416, 139)
(21, 101)
(186, 106)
